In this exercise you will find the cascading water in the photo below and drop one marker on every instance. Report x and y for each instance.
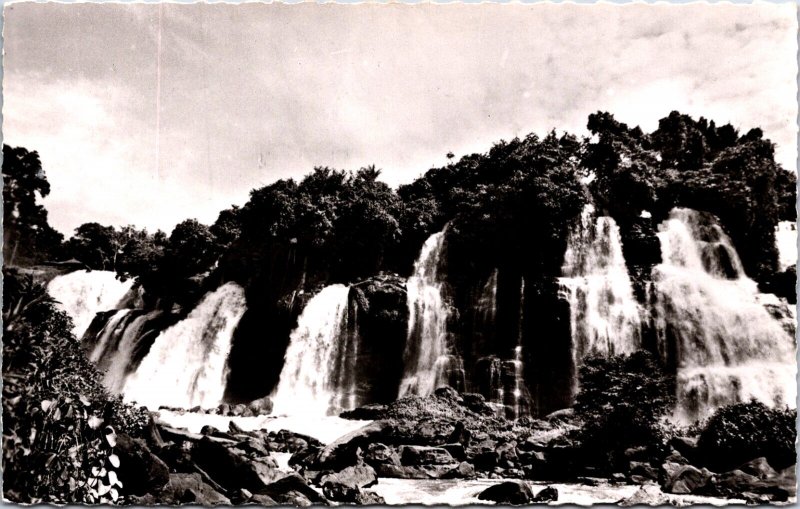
(605, 318)
(187, 364)
(120, 344)
(519, 383)
(318, 376)
(786, 242)
(713, 324)
(426, 357)
(82, 294)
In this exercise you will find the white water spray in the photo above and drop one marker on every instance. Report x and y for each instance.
(426, 357)
(308, 384)
(82, 294)
(605, 318)
(786, 242)
(187, 364)
(711, 319)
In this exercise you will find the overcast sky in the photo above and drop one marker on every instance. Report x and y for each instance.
(239, 96)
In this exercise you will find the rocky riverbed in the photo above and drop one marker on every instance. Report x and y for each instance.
(448, 448)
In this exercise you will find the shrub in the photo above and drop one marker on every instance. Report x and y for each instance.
(621, 401)
(739, 433)
(59, 424)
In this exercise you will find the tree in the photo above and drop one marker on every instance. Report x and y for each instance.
(139, 253)
(191, 248)
(620, 401)
(95, 245)
(27, 236)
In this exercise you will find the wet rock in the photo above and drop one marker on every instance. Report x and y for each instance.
(356, 477)
(234, 428)
(414, 455)
(476, 403)
(564, 414)
(342, 452)
(460, 435)
(140, 470)
(456, 451)
(509, 493)
(464, 470)
(684, 479)
(549, 494)
(261, 499)
(367, 497)
(648, 494)
(418, 472)
(380, 454)
(759, 468)
(292, 490)
(686, 447)
(208, 430)
(189, 489)
(262, 406)
(642, 470)
(486, 460)
(238, 410)
(232, 468)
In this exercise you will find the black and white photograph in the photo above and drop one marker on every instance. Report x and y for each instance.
(448, 254)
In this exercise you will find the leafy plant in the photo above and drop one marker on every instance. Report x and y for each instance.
(621, 400)
(739, 433)
(59, 424)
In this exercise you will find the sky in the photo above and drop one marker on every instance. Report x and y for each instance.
(149, 114)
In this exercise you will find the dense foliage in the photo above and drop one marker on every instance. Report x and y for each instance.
(696, 164)
(27, 236)
(621, 401)
(59, 425)
(738, 433)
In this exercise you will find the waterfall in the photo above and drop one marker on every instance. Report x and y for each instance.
(519, 369)
(486, 306)
(318, 375)
(427, 360)
(605, 318)
(82, 294)
(786, 242)
(714, 325)
(187, 364)
(120, 344)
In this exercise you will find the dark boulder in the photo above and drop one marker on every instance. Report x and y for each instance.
(648, 494)
(380, 454)
(232, 468)
(261, 406)
(367, 497)
(759, 468)
(508, 493)
(140, 471)
(292, 490)
(343, 451)
(189, 489)
(344, 486)
(464, 470)
(684, 479)
(415, 455)
(549, 494)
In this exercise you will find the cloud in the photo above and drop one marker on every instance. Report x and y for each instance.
(251, 93)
